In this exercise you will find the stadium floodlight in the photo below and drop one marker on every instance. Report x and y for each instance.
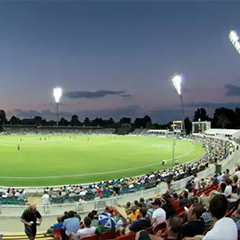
(177, 83)
(57, 93)
(235, 40)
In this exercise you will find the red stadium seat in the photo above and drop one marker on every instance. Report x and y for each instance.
(107, 235)
(57, 234)
(92, 237)
(160, 226)
(181, 214)
(179, 210)
(127, 237)
(229, 213)
(150, 230)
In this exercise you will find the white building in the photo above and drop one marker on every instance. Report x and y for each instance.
(226, 133)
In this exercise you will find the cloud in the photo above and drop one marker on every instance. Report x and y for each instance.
(32, 113)
(126, 95)
(232, 90)
(231, 105)
(53, 104)
(186, 90)
(117, 113)
(92, 95)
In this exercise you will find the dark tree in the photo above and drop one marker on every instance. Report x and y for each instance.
(75, 121)
(87, 122)
(97, 122)
(14, 120)
(125, 120)
(201, 114)
(63, 122)
(188, 125)
(37, 121)
(220, 117)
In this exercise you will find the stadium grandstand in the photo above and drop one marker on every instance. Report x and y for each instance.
(186, 194)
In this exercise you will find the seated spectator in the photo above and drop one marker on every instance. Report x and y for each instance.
(150, 211)
(228, 189)
(234, 183)
(121, 221)
(144, 235)
(224, 228)
(202, 184)
(195, 225)
(142, 201)
(237, 171)
(134, 213)
(207, 218)
(174, 228)
(159, 214)
(167, 206)
(70, 225)
(222, 186)
(94, 221)
(53, 228)
(183, 199)
(141, 223)
(190, 194)
(86, 231)
(175, 201)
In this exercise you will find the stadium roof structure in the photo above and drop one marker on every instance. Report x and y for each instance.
(234, 133)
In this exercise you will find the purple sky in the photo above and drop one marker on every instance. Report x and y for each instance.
(116, 59)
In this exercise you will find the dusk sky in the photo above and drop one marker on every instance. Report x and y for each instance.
(116, 58)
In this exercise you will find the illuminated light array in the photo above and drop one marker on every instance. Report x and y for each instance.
(235, 40)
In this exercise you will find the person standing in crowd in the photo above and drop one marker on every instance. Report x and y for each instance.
(196, 182)
(46, 202)
(31, 219)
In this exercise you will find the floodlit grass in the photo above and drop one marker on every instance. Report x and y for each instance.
(63, 160)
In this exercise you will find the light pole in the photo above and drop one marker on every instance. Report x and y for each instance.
(57, 93)
(235, 40)
(177, 83)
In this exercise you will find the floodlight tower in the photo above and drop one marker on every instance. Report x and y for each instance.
(57, 93)
(177, 83)
(235, 40)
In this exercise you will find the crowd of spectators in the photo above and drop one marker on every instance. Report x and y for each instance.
(8, 130)
(206, 209)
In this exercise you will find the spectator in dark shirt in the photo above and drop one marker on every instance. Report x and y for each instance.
(184, 199)
(167, 206)
(141, 222)
(195, 225)
(142, 201)
(31, 219)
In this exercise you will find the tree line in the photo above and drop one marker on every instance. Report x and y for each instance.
(222, 118)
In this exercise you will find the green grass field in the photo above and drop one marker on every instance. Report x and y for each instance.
(60, 160)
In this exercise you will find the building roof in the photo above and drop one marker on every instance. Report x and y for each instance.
(222, 131)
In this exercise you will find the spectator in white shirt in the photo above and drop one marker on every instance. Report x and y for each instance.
(86, 231)
(159, 215)
(228, 189)
(196, 182)
(237, 172)
(46, 202)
